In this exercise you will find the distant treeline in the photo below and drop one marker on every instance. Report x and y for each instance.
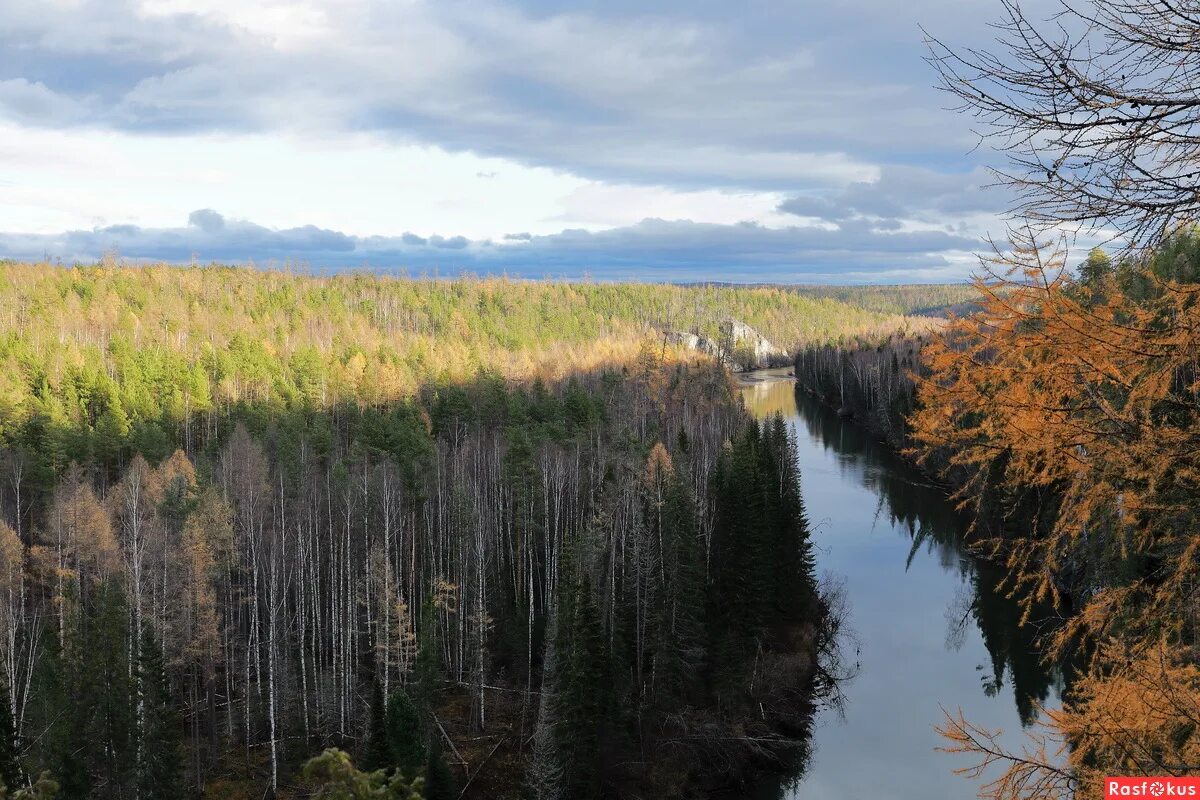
(914, 299)
(870, 380)
(141, 354)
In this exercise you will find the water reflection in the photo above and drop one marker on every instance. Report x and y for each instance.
(935, 631)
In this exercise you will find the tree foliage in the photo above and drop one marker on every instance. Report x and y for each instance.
(336, 778)
(1078, 398)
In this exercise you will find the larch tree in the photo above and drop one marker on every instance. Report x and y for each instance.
(1084, 399)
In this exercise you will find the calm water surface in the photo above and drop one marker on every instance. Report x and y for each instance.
(930, 631)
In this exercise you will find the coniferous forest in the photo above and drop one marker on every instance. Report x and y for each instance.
(228, 545)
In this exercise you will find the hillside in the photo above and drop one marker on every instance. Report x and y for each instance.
(920, 299)
(489, 532)
(144, 349)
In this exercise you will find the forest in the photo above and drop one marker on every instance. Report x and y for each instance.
(231, 539)
(169, 343)
(912, 299)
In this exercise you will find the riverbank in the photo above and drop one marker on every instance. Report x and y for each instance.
(931, 630)
(696, 752)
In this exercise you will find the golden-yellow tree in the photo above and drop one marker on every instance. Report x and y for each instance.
(1083, 400)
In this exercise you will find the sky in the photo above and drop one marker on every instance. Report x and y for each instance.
(788, 141)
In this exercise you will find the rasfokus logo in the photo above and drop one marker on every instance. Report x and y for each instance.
(1151, 787)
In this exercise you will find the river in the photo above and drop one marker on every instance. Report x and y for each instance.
(930, 631)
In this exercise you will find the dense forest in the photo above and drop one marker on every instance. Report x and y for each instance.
(153, 347)
(912, 299)
(870, 379)
(227, 543)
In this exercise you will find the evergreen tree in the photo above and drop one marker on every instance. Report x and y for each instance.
(1096, 268)
(792, 587)
(159, 768)
(44, 788)
(378, 754)
(679, 623)
(427, 672)
(86, 702)
(338, 779)
(10, 764)
(407, 733)
(584, 694)
(439, 780)
(105, 697)
(740, 562)
(544, 776)
(48, 697)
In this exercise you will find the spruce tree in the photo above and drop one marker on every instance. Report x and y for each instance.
(159, 768)
(107, 692)
(583, 696)
(794, 578)
(439, 780)
(679, 616)
(10, 764)
(427, 672)
(378, 754)
(407, 733)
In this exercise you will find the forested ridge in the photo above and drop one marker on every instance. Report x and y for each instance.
(227, 544)
(916, 299)
(151, 348)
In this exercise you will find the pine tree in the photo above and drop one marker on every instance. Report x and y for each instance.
(338, 779)
(44, 788)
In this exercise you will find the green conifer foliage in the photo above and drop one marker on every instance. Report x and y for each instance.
(407, 733)
(584, 693)
(10, 763)
(159, 768)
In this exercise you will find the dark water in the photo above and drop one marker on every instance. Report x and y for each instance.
(930, 630)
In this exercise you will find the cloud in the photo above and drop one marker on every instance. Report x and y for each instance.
(206, 220)
(904, 192)
(27, 101)
(649, 130)
(451, 243)
(792, 96)
(653, 249)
